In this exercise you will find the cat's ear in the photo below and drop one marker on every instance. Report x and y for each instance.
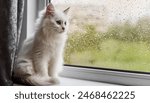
(67, 10)
(50, 9)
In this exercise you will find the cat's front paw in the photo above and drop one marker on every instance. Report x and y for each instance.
(55, 81)
(29, 70)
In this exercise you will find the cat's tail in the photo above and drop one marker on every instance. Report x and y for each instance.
(25, 75)
(39, 81)
(35, 81)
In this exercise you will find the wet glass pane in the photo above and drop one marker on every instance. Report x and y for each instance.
(109, 33)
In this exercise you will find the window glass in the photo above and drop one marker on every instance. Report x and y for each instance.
(108, 33)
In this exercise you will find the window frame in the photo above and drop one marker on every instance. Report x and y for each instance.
(107, 75)
(33, 7)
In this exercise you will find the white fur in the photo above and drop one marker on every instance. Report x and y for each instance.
(41, 57)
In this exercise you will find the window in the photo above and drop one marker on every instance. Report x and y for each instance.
(108, 41)
(110, 34)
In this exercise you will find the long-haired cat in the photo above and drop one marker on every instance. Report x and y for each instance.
(41, 57)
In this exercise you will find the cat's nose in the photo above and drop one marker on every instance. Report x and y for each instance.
(63, 28)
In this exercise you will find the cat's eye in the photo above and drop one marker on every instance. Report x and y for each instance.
(58, 22)
(65, 23)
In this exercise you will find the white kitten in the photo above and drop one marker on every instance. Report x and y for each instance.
(41, 57)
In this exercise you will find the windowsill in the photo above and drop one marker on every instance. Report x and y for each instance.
(78, 76)
(78, 82)
(64, 81)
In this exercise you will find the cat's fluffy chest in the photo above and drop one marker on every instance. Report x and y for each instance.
(52, 46)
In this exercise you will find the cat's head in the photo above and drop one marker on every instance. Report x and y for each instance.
(56, 21)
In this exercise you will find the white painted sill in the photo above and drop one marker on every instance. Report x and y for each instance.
(64, 81)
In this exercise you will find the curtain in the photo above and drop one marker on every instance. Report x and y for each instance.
(11, 16)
